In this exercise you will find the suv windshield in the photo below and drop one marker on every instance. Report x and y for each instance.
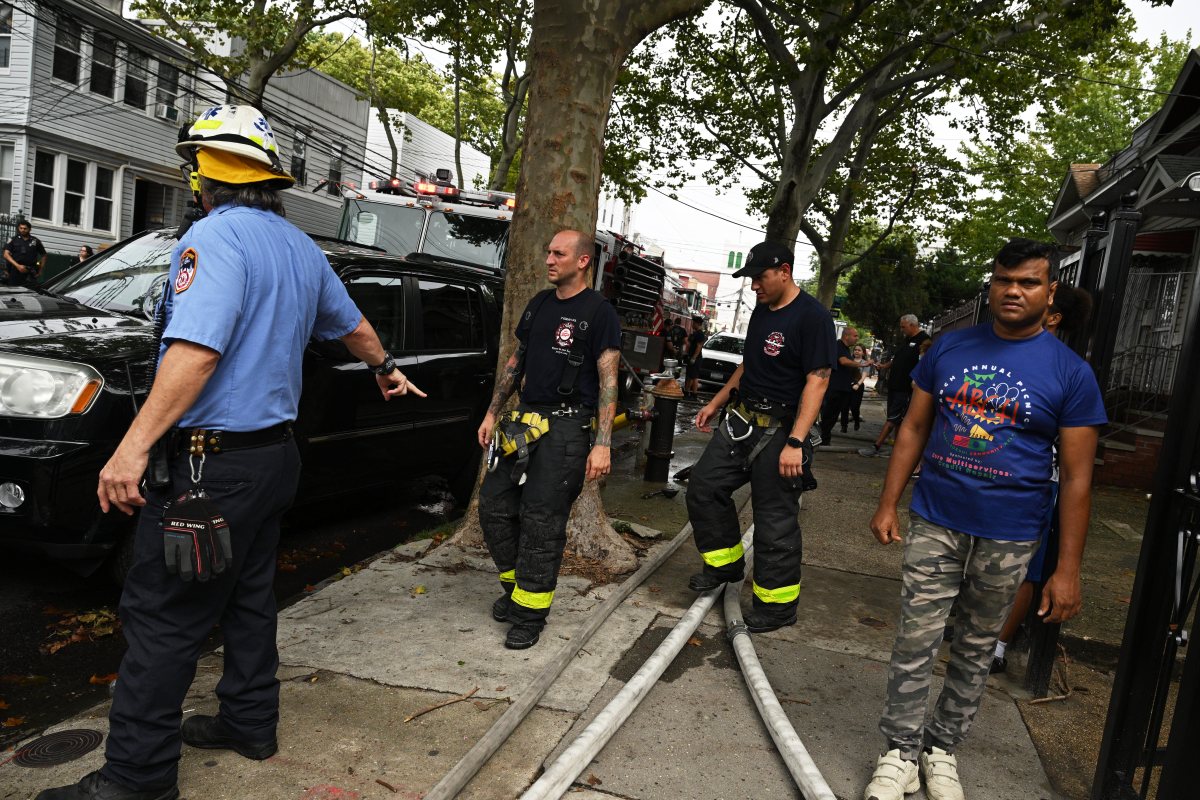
(474, 240)
(397, 229)
(726, 344)
(127, 279)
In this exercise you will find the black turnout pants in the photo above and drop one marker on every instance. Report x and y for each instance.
(525, 526)
(777, 540)
(166, 620)
(835, 404)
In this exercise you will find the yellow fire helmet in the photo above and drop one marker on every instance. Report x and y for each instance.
(234, 144)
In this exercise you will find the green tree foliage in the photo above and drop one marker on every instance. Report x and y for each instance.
(824, 103)
(266, 36)
(1082, 121)
(886, 285)
(949, 280)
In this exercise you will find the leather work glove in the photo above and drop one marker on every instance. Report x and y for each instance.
(196, 542)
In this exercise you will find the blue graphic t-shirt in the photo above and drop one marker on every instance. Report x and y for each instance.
(987, 467)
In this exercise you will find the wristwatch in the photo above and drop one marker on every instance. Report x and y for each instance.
(792, 441)
(386, 368)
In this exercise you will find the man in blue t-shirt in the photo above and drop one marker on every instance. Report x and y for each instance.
(988, 403)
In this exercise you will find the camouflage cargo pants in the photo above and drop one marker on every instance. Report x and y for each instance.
(941, 565)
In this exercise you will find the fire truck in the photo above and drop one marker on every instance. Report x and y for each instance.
(428, 215)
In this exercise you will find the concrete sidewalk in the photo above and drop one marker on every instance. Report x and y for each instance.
(365, 655)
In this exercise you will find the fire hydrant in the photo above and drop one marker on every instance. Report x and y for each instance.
(662, 431)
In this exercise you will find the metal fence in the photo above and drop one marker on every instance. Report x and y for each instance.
(8, 226)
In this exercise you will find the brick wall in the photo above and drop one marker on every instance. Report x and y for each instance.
(1133, 470)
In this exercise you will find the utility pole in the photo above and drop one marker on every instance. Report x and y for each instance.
(737, 310)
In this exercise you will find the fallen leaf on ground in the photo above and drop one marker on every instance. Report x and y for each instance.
(102, 680)
(419, 589)
(871, 622)
(500, 688)
(13, 722)
(285, 567)
(593, 780)
(695, 641)
(310, 588)
(1124, 600)
(3, 705)
(655, 589)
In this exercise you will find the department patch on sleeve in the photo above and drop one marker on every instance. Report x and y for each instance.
(187, 271)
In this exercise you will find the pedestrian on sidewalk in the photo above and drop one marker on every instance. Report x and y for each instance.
(569, 345)
(771, 402)
(987, 405)
(899, 380)
(853, 411)
(841, 385)
(695, 344)
(247, 291)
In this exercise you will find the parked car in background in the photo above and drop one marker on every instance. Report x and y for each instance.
(720, 356)
(76, 362)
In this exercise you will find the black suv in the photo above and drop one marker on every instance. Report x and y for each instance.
(75, 362)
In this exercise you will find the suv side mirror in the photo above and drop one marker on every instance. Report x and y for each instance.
(332, 350)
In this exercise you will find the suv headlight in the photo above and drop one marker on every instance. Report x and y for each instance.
(42, 388)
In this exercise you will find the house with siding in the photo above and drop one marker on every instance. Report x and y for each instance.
(420, 148)
(90, 109)
(1157, 179)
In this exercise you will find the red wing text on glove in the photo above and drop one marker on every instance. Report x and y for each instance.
(196, 541)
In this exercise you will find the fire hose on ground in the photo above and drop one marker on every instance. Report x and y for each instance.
(462, 772)
(804, 772)
(566, 768)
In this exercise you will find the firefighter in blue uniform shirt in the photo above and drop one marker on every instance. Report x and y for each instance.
(247, 291)
(526, 498)
(763, 438)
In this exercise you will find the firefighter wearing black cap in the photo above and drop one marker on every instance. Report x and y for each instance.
(247, 290)
(569, 348)
(769, 404)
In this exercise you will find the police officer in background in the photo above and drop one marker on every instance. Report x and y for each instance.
(771, 401)
(569, 348)
(246, 292)
(24, 257)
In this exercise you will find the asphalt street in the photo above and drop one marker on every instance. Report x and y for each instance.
(62, 644)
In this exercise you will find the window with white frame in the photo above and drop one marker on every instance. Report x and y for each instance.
(104, 64)
(299, 155)
(102, 201)
(137, 78)
(167, 92)
(6, 18)
(72, 191)
(6, 178)
(336, 153)
(44, 168)
(67, 42)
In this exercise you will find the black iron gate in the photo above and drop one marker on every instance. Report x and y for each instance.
(1152, 736)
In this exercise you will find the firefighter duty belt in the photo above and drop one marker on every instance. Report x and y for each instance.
(517, 433)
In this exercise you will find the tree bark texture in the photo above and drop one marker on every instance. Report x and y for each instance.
(576, 51)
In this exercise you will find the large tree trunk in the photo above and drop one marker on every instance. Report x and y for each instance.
(575, 53)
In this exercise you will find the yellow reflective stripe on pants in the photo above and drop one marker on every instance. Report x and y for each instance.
(537, 600)
(784, 594)
(726, 555)
(508, 577)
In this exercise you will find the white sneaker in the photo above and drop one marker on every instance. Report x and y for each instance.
(940, 770)
(893, 778)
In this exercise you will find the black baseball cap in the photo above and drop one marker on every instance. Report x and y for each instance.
(763, 256)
